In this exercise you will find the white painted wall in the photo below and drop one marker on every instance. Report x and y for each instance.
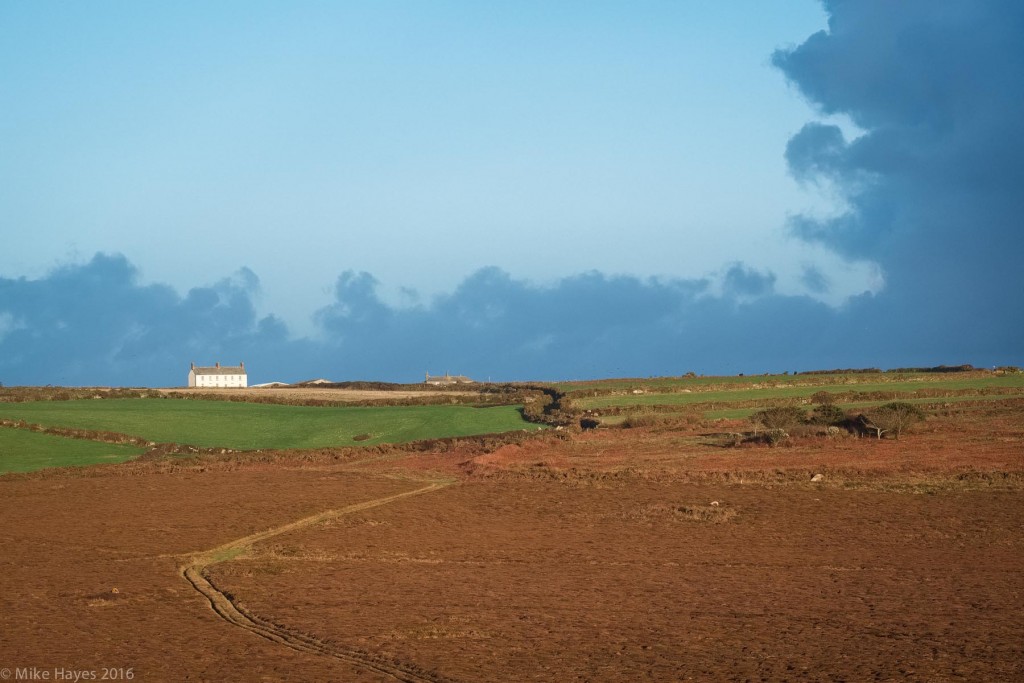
(214, 381)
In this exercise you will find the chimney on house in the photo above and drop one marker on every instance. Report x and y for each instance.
(193, 366)
(217, 364)
(242, 365)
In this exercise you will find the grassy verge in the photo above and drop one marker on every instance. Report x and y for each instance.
(247, 426)
(24, 451)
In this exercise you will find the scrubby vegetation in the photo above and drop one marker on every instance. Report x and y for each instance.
(827, 414)
(784, 418)
(547, 405)
(778, 424)
(892, 418)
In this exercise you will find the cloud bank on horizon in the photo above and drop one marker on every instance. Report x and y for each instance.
(932, 193)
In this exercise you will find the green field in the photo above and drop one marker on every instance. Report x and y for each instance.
(668, 384)
(741, 393)
(739, 413)
(25, 451)
(248, 426)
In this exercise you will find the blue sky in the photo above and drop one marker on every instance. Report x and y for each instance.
(416, 141)
(334, 178)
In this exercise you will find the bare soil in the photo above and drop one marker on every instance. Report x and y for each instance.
(616, 555)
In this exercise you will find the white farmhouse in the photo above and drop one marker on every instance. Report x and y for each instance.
(228, 376)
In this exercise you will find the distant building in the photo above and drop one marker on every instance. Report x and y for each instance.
(313, 383)
(446, 379)
(224, 376)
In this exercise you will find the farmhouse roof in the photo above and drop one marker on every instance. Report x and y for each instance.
(448, 379)
(219, 369)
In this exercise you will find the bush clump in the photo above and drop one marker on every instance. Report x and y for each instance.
(823, 398)
(784, 418)
(827, 414)
(892, 418)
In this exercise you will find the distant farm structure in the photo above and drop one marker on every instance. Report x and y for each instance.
(446, 380)
(224, 376)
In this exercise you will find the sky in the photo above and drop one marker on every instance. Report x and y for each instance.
(540, 190)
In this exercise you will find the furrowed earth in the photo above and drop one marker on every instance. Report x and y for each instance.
(655, 553)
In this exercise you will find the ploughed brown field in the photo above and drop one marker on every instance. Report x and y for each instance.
(614, 555)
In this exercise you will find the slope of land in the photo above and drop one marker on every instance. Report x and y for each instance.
(652, 553)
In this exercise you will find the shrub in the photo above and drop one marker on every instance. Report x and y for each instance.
(892, 418)
(784, 418)
(535, 409)
(827, 414)
(823, 398)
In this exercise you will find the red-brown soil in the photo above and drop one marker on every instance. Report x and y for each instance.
(597, 556)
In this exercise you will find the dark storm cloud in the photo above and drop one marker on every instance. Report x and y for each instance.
(95, 324)
(933, 184)
(493, 325)
(584, 326)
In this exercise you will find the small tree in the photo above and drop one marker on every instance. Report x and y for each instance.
(784, 417)
(536, 406)
(822, 398)
(827, 414)
(778, 422)
(892, 418)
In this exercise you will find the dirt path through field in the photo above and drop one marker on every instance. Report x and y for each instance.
(222, 604)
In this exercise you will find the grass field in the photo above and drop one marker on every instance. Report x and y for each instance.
(248, 426)
(670, 384)
(24, 451)
(738, 413)
(774, 392)
(704, 382)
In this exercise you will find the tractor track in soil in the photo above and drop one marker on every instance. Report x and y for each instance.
(195, 573)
